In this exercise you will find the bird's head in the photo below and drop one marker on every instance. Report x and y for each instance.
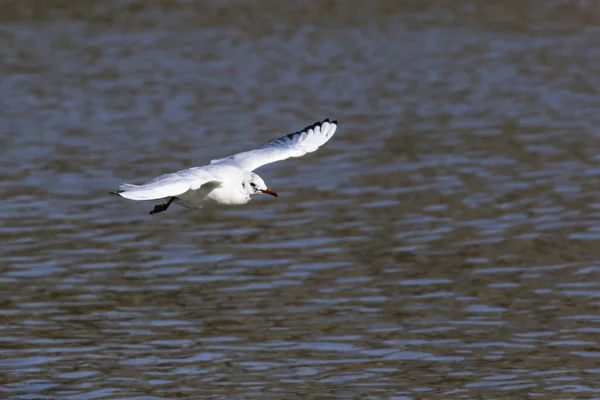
(254, 184)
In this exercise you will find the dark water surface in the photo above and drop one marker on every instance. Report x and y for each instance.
(445, 244)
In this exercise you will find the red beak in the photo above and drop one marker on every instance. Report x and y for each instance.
(269, 191)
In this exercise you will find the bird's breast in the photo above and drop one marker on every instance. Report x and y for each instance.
(227, 196)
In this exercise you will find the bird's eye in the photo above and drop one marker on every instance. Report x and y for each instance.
(253, 184)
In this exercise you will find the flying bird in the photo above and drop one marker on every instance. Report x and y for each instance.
(228, 181)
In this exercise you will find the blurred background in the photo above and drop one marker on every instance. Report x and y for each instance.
(443, 245)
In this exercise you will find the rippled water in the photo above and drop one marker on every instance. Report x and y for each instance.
(444, 244)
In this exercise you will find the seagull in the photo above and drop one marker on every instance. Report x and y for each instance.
(228, 181)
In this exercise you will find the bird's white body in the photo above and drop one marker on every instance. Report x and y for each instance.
(228, 181)
(229, 192)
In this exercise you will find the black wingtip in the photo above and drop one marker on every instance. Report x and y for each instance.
(313, 126)
(319, 123)
(117, 192)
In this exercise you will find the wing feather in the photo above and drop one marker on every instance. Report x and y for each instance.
(170, 185)
(295, 144)
(153, 191)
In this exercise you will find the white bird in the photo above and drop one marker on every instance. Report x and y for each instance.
(228, 181)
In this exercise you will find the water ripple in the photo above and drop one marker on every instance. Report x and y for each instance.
(442, 244)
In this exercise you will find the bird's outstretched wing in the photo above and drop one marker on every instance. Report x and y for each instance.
(170, 185)
(295, 144)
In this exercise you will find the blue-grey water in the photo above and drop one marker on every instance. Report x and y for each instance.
(444, 244)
